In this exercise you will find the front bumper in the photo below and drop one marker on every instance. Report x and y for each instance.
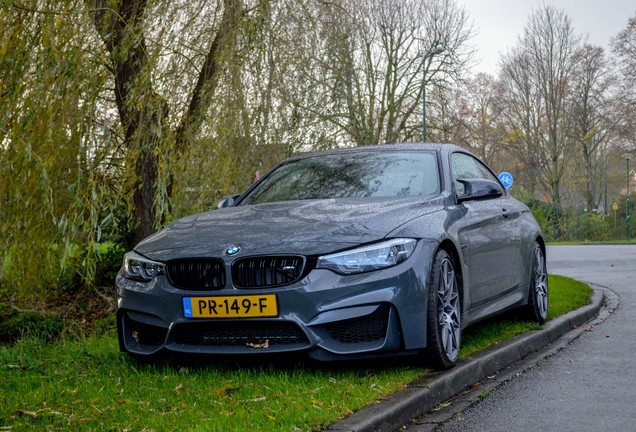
(326, 315)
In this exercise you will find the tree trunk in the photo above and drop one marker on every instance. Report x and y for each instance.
(120, 25)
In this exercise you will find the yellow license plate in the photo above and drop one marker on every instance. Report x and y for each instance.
(231, 306)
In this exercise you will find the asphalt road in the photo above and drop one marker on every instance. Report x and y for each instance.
(590, 385)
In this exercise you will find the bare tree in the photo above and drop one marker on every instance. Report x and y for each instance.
(537, 73)
(624, 48)
(522, 108)
(593, 116)
(371, 59)
(480, 118)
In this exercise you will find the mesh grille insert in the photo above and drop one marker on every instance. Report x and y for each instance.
(240, 334)
(370, 328)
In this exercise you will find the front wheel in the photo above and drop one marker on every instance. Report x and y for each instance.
(537, 307)
(444, 313)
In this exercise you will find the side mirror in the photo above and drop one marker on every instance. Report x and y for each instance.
(227, 201)
(475, 189)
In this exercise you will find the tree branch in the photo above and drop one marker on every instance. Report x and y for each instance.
(222, 47)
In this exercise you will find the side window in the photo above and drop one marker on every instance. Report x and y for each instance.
(464, 166)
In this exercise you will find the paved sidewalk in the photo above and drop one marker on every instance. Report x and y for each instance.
(425, 394)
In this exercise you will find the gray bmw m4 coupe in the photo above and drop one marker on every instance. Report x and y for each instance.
(351, 253)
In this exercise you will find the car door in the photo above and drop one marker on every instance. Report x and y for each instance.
(489, 236)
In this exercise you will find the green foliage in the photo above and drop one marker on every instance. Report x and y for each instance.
(548, 215)
(566, 294)
(105, 326)
(72, 166)
(487, 333)
(15, 324)
(558, 224)
(97, 388)
(69, 169)
(87, 384)
(55, 151)
(589, 227)
(105, 260)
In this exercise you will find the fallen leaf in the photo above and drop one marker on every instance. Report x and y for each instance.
(259, 345)
(442, 406)
(258, 399)
(28, 413)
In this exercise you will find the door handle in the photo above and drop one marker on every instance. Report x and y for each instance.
(505, 213)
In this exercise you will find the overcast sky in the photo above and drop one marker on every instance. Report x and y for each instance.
(499, 23)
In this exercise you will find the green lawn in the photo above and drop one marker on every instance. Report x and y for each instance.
(88, 385)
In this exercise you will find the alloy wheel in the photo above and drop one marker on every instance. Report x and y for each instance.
(449, 311)
(540, 283)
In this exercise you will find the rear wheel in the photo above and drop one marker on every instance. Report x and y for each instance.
(444, 313)
(537, 307)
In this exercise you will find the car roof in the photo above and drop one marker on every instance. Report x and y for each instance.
(436, 147)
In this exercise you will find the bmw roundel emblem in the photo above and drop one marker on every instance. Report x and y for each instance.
(232, 250)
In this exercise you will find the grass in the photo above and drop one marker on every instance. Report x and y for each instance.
(565, 295)
(88, 385)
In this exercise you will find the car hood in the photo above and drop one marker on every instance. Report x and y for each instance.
(292, 227)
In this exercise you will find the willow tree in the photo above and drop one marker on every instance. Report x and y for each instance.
(102, 100)
(151, 132)
(53, 189)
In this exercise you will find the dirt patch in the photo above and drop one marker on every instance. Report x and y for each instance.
(85, 311)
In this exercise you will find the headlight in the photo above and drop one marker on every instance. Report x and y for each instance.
(141, 269)
(369, 258)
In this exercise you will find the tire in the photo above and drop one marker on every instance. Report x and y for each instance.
(444, 313)
(537, 307)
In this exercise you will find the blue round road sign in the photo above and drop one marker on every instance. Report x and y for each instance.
(506, 179)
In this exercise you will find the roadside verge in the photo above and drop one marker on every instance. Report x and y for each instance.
(423, 395)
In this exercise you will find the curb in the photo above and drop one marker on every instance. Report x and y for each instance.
(423, 395)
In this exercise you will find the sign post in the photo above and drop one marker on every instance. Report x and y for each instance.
(615, 207)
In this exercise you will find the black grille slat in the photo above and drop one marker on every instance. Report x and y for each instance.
(267, 271)
(199, 274)
(240, 334)
(249, 272)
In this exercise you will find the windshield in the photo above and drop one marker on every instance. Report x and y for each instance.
(350, 175)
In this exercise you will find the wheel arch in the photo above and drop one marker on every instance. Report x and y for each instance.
(450, 248)
(539, 239)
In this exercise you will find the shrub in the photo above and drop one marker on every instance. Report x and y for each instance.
(93, 265)
(16, 324)
(549, 216)
(589, 227)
